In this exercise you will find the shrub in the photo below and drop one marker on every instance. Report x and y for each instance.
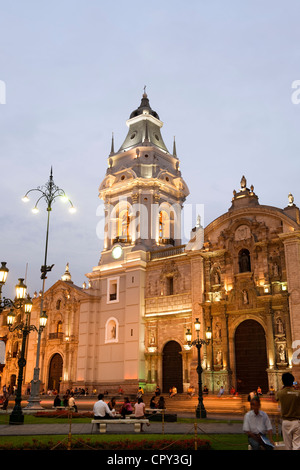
(187, 444)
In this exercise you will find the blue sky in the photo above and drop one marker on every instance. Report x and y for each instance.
(219, 74)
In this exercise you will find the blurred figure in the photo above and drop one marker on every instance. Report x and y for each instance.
(289, 399)
(257, 426)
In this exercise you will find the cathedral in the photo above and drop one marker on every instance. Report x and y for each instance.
(127, 325)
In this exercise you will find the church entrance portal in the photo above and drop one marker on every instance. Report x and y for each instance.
(172, 367)
(251, 357)
(55, 372)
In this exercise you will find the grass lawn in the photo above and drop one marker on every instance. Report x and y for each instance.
(217, 441)
(31, 419)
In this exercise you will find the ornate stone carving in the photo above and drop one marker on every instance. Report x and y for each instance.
(242, 233)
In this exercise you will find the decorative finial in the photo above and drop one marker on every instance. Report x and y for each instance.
(291, 199)
(112, 150)
(145, 94)
(66, 276)
(243, 182)
(174, 148)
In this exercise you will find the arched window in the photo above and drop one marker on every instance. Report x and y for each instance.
(166, 227)
(244, 261)
(120, 223)
(170, 285)
(59, 327)
(123, 225)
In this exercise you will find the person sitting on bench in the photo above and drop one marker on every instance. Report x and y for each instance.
(126, 408)
(101, 409)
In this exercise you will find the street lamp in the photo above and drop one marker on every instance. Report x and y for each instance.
(21, 301)
(49, 192)
(200, 411)
(17, 417)
(20, 291)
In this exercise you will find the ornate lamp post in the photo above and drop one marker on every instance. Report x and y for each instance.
(20, 291)
(200, 411)
(49, 192)
(24, 326)
(21, 302)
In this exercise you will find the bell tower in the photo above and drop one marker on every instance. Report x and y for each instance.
(143, 195)
(143, 191)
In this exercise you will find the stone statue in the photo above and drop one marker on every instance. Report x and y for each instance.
(291, 199)
(218, 331)
(243, 183)
(245, 297)
(244, 262)
(281, 353)
(217, 278)
(275, 269)
(219, 357)
(113, 332)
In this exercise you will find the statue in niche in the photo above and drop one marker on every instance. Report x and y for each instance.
(216, 278)
(245, 297)
(113, 332)
(281, 353)
(218, 331)
(244, 261)
(275, 269)
(219, 358)
(152, 339)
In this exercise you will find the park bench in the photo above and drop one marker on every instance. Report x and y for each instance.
(65, 408)
(113, 421)
(154, 410)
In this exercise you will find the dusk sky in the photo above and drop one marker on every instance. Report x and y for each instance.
(219, 74)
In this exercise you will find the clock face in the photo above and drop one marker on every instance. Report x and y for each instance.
(117, 252)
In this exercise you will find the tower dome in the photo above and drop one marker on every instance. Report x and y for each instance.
(144, 127)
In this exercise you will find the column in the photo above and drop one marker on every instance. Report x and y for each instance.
(291, 243)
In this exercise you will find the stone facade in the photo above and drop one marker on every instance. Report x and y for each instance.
(240, 276)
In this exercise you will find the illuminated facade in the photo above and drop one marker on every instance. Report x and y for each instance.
(240, 276)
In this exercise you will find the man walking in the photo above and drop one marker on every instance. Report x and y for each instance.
(289, 399)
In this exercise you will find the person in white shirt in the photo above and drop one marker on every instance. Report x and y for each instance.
(72, 403)
(101, 409)
(257, 426)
